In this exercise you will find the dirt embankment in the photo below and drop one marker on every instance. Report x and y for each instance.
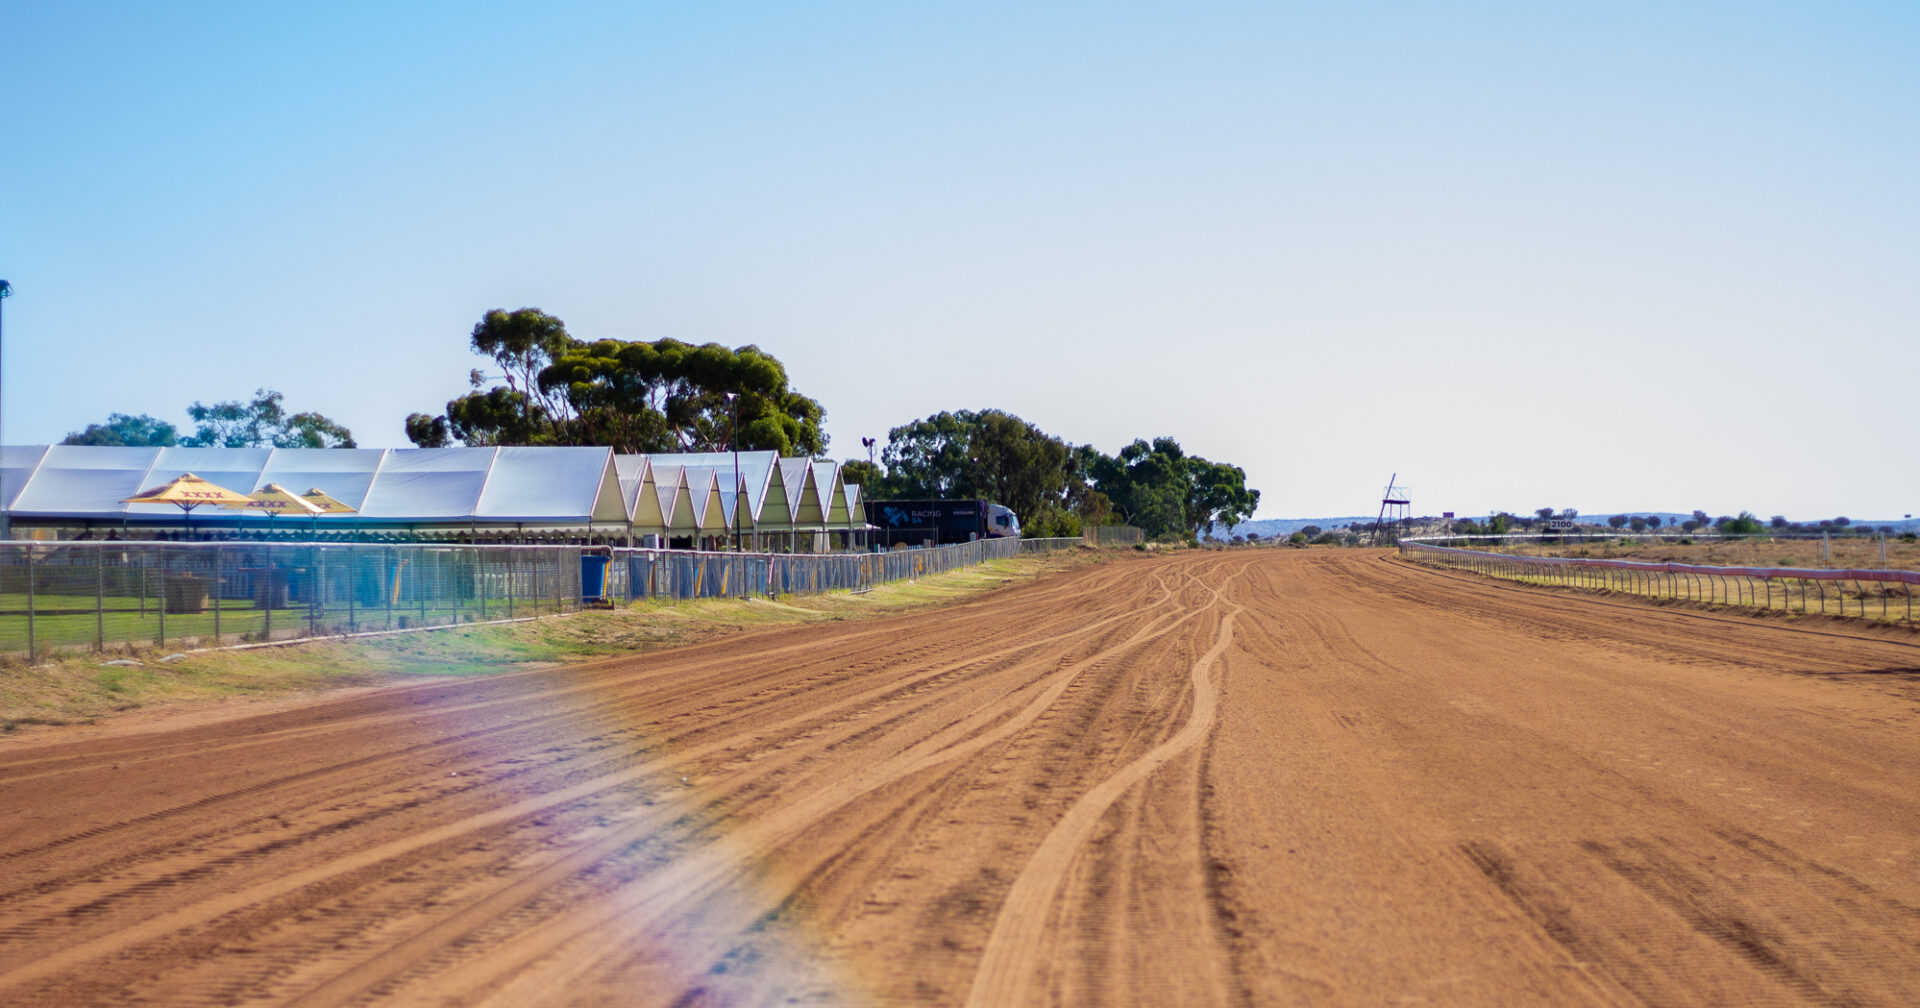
(1251, 777)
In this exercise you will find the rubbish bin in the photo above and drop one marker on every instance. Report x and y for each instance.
(593, 577)
(186, 593)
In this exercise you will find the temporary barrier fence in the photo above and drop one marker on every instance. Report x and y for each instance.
(1113, 535)
(1866, 594)
(136, 594)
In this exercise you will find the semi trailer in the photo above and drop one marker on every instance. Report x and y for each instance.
(941, 522)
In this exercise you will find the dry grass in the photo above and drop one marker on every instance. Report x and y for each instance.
(1862, 601)
(84, 688)
(1759, 551)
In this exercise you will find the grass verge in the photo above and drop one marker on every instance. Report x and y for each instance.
(82, 689)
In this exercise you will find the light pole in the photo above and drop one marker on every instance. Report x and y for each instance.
(872, 469)
(6, 291)
(733, 401)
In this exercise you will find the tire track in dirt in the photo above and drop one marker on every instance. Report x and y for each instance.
(1007, 967)
(1256, 777)
(705, 715)
(1631, 743)
(274, 888)
(694, 881)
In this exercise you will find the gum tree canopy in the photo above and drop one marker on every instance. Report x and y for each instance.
(261, 422)
(1056, 487)
(662, 396)
(990, 453)
(1162, 489)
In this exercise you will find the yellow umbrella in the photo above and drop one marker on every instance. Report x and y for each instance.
(188, 492)
(274, 499)
(327, 505)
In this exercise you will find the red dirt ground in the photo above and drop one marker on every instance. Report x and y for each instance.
(1265, 777)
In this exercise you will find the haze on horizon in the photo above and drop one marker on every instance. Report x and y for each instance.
(1636, 256)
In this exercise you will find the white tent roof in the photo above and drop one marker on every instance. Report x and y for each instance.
(392, 486)
(756, 474)
(556, 486)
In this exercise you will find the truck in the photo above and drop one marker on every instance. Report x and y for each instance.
(941, 522)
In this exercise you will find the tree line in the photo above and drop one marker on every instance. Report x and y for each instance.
(546, 387)
(1746, 523)
(260, 422)
(1056, 488)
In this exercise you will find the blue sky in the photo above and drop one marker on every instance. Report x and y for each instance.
(1606, 256)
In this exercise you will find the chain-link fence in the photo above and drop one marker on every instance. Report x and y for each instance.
(122, 595)
(1113, 535)
(1861, 594)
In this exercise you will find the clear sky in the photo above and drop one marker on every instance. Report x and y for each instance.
(1625, 255)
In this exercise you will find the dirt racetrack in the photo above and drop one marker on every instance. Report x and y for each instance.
(1257, 777)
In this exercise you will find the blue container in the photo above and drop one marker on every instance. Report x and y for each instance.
(593, 577)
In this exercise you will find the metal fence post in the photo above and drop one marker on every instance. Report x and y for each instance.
(315, 589)
(265, 594)
(99, 600)
(31, 650)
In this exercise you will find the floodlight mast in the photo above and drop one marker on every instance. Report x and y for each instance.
(872, 471)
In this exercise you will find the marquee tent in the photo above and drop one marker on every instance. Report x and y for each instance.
(480, 493)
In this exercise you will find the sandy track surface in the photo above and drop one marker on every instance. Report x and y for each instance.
(1254, 777)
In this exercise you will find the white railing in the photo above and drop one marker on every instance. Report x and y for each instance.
(1865, 594)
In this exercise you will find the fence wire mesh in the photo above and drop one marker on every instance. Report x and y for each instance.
(133, 595)
(1860, 594)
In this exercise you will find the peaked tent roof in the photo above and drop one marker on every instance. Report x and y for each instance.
(237, 469)
(827, 476)
(442, 483)
(776, 510)
(646, 507)
(551, 486)
(17, 463)
(803, 492)
(709, 505)
(89, 482)
(756, 476)
(345, 474)
(856, 512)
(548, 486)
(676, 501)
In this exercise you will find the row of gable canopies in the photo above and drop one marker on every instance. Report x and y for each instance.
(477, 494)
